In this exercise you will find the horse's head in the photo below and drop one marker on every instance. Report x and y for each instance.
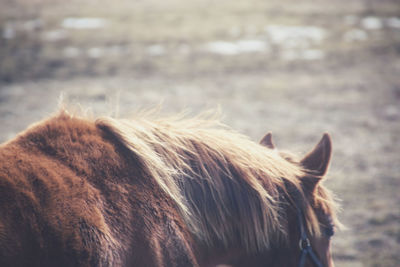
(312, 214)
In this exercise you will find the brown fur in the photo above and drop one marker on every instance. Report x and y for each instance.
(143, 193)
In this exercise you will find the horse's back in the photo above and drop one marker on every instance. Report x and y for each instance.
(70, 195)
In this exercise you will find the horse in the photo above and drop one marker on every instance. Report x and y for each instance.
(169, 191)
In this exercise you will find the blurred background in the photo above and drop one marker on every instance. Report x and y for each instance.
(296, 68)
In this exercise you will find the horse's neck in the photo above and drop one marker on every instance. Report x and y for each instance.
(239, 257)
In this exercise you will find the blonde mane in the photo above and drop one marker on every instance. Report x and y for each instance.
(226, 187)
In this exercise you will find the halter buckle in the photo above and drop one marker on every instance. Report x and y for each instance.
(304, 243)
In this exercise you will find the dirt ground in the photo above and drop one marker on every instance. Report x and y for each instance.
(296, 68)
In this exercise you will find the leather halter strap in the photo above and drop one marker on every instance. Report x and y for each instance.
(305, 245)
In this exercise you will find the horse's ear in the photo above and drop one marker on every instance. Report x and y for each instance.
(267, 141)
(317, 161)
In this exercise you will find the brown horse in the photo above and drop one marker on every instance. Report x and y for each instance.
(170, 192)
